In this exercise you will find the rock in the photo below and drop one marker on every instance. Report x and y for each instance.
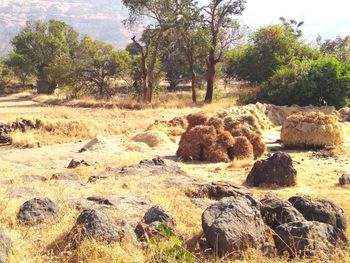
(276, 170)
(344, 179)
(5, 246)
(154, 167)
(94, 224)
(306, 237)
(95, 178)
(65, 176)
(97, 144)
(20, 192)
(218, 190)
(276, 211)
(152, 222)
(34, 178)
(37, 211)
(321, 210)
(131, 208)
(233, 224)
(72, 163)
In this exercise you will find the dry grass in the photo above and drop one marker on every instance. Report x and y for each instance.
(316, 177)
(312, 130)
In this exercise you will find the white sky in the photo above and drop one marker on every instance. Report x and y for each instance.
(326, 18)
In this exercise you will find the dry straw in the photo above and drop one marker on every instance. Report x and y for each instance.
(312, 130)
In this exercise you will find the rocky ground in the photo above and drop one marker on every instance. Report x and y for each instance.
(107, 177)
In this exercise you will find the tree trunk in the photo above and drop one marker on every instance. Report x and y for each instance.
(210, 77)
(193, 84)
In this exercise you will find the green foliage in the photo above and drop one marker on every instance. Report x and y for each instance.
(169, 249)
(22, 70)
(269, 48)
(40, 44)
(326, 80)
(6, 74)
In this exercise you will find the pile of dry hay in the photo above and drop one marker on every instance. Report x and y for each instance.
(174, 127)
(213, 140)
(312, 130)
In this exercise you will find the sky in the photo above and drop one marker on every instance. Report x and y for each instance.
(326, 18)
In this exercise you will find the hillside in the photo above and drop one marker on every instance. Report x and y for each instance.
(101, 19)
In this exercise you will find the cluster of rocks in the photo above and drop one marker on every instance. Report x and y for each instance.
(302, 226)
(19, 125)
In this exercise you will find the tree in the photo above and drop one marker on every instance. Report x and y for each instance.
(98, 66)
(268, 49)
(164, 14)
(6, 74)
(292, 26)
(20, 67)
(339, 47)
(223, 31)
(38, 44)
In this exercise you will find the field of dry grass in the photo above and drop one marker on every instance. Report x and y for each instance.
(64, 128)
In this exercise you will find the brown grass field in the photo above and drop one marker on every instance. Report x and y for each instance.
(66, 128)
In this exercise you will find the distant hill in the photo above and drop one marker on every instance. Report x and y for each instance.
(101, 19)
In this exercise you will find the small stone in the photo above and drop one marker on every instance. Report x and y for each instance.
(344, 179)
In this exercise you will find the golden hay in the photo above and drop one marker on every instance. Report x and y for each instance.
(315, 130)
(188, 151)
(174, 127)
(152, 138)
(242, 149)
(225, 138)
(216, 153)
(217, 123)
(203, 135)
(196, 119)
(259, 146)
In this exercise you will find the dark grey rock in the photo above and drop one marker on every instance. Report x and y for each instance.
(37, 211)
(5, 246)
(276, 211)
(306, 237)
(152, 222)
(233, 224)
(344, 179)
(321, 210)
(277, 170)
(94, 224)
(72, 163)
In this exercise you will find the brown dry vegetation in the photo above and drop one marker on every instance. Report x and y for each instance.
(316, 177)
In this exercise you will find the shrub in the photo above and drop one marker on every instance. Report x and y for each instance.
(319, 82)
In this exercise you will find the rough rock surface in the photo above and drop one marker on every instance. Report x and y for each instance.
(37, 211)
(5, 246)
(152, 222)
(233, 225)
(65, 176)
(321, 210)
(130, 207)
(218, 190)
(306, 237)
(94, 224)
(344, 179)
(154, 167)
(276, 170)
(276, 211)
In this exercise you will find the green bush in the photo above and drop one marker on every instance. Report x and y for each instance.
(310, 82)
(268, 49)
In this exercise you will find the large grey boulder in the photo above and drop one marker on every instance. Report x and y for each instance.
(94, 224)
(38, 211)
(321, 210)
(5, 246)
(305, 238)
(233, 225)
(277, 170)
(276, 211)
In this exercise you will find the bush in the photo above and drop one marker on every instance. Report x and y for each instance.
(269, 48)
(325, 81)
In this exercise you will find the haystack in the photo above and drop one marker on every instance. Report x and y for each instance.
(152, 138)
(206, 139)
(312, 130)
(98, 144)
(174, 127)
